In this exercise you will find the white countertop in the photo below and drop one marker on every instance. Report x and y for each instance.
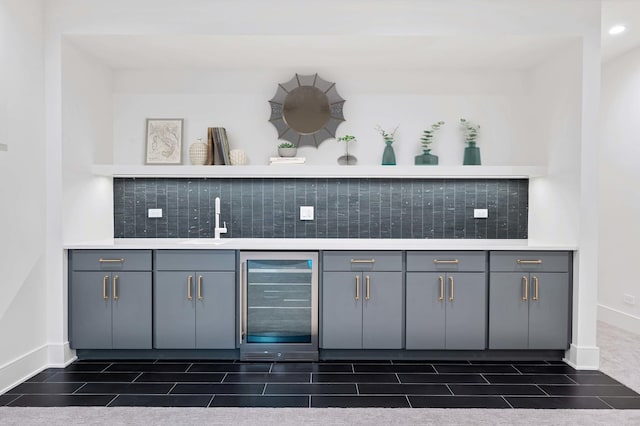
(313, 244)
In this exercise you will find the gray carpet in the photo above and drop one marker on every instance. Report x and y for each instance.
(311, 416)
(620, 358)
(620, 355)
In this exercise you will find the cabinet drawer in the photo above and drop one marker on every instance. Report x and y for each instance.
(515, 261)
(362, 261)
(195, 260)
(110, 260)
(446, 261)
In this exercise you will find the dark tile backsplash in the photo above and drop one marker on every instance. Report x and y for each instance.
(349, 207)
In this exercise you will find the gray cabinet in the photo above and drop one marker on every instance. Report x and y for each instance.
(110, 299)
(446, 300)
(194, 299)
(529, 300)
(362, 296)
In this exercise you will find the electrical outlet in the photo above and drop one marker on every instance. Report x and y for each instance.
(306, 212)
(155, 213)
(629, 299)
(480, 213)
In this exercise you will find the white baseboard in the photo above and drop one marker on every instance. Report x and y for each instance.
(23, 367)
(60, 355)
(33, 362)
(583, 357)
(619, 319)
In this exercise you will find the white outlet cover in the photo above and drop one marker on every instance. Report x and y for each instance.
(480, 213)
(155, 213)
(306, 212)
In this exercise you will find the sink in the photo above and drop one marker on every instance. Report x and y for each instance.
(203, 242)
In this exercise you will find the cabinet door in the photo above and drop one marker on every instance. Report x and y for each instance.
(215, 295)
(174, 316)
(466, 323)
(425, 328)
(382, 314)
(508, 314)
(549, 315)
(341, 312)
(90, 310)
(131, 310)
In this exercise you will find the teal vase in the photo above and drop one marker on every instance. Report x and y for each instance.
(471, 155)
(388, 156)
(426, 159)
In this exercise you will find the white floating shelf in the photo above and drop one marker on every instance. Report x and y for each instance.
(308, 171)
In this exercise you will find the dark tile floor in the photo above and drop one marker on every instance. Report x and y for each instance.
(458, 384)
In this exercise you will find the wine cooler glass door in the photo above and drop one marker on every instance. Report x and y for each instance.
(280, 304)
(279, 301)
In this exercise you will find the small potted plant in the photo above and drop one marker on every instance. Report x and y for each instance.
(347, 159)
(471, 152)
(388, 155)
(287, 149)
(426, 158)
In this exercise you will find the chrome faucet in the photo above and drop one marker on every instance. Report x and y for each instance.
(218, 230)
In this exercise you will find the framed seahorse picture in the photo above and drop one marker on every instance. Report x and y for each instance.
(164, 140)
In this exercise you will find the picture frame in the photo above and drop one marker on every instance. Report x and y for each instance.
(164, 140)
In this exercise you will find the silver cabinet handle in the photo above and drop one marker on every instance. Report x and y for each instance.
(101, 260)
(200, 287)
(451, 289)
(104, 287)
(368, 294)
(535, 288)
(446, 261)
(525, 288)
(115, 287)
(243, 302)
(357, 287)
(189, 278)
(529, 262)
(441, 281)
(363, 261)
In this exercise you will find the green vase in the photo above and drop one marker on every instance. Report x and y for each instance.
(471, 155)
(426, 159)
(388, 156)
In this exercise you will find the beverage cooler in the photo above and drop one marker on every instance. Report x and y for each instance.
(279, 306)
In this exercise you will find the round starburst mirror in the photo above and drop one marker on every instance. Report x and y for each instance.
(306, 110)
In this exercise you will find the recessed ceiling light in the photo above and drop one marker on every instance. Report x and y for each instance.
(617, 29)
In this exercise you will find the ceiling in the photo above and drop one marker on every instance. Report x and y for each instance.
(626, 12)
(352, 51)
(406, 52)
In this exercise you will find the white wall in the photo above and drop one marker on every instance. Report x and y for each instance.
(23, 307)
(555, 131)
(496, 100)
(87, 128)
(620, 198)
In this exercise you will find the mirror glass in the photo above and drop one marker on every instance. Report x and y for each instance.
(306, 110)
